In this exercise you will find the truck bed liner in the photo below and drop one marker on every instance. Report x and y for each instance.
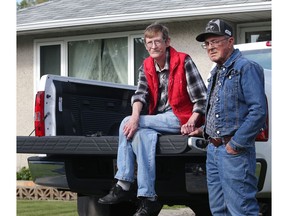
(104, 145)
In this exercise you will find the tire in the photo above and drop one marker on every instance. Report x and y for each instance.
(201, 209)
(265, 208)
(89, 206)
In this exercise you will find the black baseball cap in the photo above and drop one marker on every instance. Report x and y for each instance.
(216, 27)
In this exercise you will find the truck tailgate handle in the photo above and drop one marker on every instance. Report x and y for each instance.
(198, 143)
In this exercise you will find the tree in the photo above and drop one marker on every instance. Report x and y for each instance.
(29, 3)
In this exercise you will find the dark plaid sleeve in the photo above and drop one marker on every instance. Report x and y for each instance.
(195, 86)
(141, 93)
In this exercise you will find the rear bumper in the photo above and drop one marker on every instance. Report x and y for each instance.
(183, 175)
(87, 164)
(179, 178)
(180, 168)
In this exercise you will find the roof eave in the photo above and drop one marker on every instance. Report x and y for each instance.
(168, 14)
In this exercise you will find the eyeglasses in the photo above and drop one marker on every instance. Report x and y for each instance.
(155, 42)
(213, 43)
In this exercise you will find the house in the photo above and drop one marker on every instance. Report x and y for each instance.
(102, 39)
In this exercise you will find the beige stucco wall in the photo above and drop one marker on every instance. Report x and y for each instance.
(182, 38)
(25, 81)
(24, 91)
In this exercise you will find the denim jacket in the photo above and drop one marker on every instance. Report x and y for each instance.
(241, 106)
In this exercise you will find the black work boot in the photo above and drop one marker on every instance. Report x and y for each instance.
(148, 208)
(116, 195)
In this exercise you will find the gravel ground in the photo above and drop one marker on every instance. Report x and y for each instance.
(177, 212)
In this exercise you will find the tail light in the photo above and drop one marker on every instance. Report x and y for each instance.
(39, 118)
(263, 135)
(269, 43)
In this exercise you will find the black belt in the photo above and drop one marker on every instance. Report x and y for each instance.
(220, 141)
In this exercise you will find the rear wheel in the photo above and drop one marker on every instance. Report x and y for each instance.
(89, 206)
(265, 208)
(201, 210)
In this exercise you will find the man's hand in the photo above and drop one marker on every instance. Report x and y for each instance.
(131, 127)
(230, 150)
(187, 128)
(197, 132)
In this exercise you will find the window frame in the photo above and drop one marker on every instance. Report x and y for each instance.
(63, 42)
(131, 74)
(36, 65)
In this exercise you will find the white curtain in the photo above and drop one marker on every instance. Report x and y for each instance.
(103, 59)
(85, 59)
(117, 52)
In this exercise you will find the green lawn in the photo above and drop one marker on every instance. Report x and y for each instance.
(54, 207)
(46, 208)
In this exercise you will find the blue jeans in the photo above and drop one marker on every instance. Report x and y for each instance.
(142, 147)
(232, 183)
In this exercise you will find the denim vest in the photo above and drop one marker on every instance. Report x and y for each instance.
(240, 104)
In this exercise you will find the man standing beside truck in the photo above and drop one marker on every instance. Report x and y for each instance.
(235, 113)
(172, 89)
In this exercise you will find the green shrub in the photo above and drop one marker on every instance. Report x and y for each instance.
(24, 174)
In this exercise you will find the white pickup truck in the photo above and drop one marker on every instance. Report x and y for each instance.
(76, 128)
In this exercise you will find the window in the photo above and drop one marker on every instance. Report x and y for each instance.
(262, 57)
(50, 61)
(102, 59)
(114, 59)
(257, 36)
(140, 53)
(254, 32)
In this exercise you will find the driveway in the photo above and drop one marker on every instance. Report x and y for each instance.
(177, 212)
